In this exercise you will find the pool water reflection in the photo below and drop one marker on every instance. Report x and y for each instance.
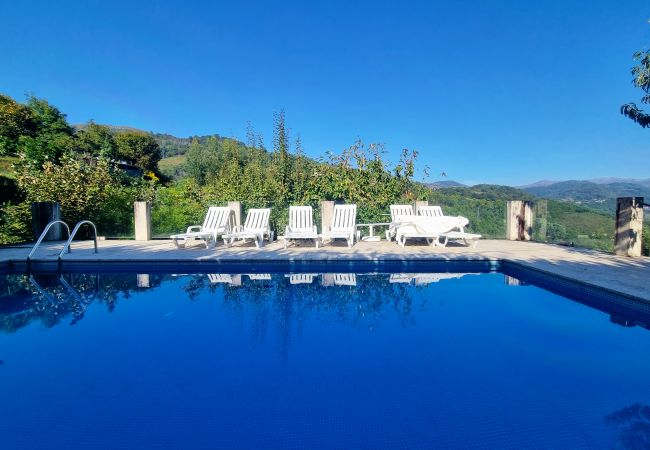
(295, 360)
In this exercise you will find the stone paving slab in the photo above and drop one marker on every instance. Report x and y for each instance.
(618, 274)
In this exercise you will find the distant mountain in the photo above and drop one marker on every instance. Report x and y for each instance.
(540, 183)
(601, 196)
(445, 184)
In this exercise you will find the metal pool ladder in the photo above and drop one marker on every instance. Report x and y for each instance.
(71, 236)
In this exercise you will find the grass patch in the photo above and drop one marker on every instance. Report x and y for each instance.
(5, 166)
(170, 166)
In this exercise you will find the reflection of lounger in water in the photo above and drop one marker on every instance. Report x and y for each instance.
(259, 276)
(424, 278)
(301, 278)
(224, 278)
(339, 279)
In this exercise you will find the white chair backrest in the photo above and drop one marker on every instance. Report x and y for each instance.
(400, 210)
(257, 219)
(219, 278)
(217, 217)
(345, 218)
(301, 218)
(301, 278)
(430, 211)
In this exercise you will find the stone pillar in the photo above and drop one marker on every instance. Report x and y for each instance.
(142, 214)
(326, 215)
(418, 203)
(629, 226)
(44, 213)
(143, 280)
(235, 207)
(519, 220)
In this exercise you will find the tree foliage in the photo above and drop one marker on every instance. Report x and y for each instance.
(641, 80)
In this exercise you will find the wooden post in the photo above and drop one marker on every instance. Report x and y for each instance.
(44, 213)
(142, 216)
(629, 226)
(519, 220)
(326, 215)
(235, 207)
(418, 203)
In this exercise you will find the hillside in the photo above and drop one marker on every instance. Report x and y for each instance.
(600, 196)
(169, 145)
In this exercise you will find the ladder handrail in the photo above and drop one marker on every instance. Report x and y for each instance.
(74, 232)
(44, 233)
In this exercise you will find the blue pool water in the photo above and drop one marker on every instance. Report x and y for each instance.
(348, 360)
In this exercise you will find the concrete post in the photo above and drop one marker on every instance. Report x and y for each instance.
(418, 203)
(326, 215)
(142, 215)
(629, 226)
(519, 220)
(235, 207)
(143, 280)
(44, 213)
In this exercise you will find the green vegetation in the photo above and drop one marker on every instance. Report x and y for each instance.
(641, 80)
(44, 159)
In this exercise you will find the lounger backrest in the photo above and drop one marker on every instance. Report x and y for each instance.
(301, 218)
(216, 218)
(430, 211)
(257, 219)
(345, 218)
(400, 210)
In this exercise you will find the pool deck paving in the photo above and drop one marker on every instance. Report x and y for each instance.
(628, 276)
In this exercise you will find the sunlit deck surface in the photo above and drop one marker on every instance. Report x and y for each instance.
(618, 274)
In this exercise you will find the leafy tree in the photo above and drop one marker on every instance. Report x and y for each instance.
(15, 121)
(140, 149)
(52, 137)
(97, 140)
(203, 160)
(641, 74)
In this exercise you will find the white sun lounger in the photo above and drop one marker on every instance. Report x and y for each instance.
(430, 211)
(301, 226)
(224, 278)
(415, 227)
(395, 212)
(456, 233)
(301, 278)
(437, 231)
(256, 227)
(339, 279)
(344, 224)
(259, 276)
(218, 221)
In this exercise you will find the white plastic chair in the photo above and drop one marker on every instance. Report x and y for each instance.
(395, 212)
(344, 224)
(430, 211)
(301, 225)
(256, 227)
(218, 221)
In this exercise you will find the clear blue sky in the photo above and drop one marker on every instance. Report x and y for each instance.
(501, 91)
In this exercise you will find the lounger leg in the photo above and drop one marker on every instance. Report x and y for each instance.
(178, 244)
(285, 243)
(316, 241)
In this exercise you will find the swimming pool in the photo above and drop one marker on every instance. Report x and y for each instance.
(323, 358)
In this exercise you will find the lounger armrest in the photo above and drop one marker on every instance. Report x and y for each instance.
(197, 227)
